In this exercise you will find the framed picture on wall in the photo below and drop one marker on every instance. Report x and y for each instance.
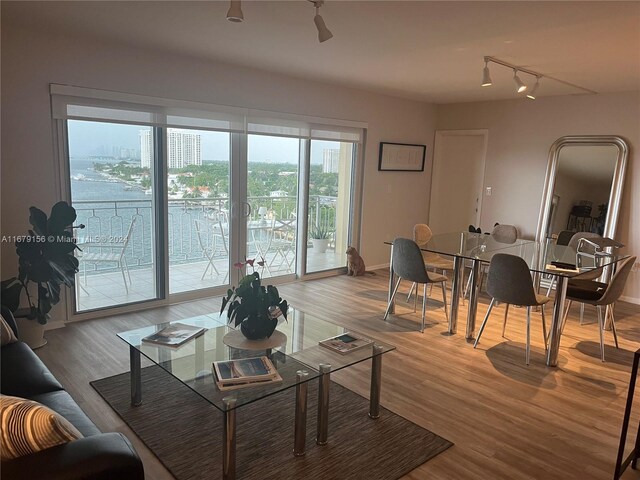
(401, 157)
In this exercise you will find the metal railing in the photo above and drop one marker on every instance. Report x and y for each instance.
(109, 220)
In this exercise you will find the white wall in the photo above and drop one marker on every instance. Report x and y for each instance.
(32, 60)
(520, 135)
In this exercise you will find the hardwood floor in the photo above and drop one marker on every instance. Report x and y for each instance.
(507, 420)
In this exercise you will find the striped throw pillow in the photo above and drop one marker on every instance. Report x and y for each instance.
(28, 427)
(6, 334)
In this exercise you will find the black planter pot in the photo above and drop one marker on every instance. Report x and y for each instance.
(258, 328)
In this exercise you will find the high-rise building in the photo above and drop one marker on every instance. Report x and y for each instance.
(183, 148)
(330, 160)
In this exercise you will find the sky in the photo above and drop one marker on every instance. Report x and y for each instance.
(89, 138)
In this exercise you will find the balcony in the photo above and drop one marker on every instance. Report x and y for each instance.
(117, 258)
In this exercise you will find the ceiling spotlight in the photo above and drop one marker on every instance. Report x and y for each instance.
(532, 93)
(486, 76)
(521, 86)
(234, 14)
(324, 33)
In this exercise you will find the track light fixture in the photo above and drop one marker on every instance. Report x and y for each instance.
(486, 76)
(521, 86)
(532, 93)
(324, 33)
(234, 14)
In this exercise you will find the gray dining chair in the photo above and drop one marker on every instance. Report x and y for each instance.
(408, 264)
(600, 295)
(509, 281)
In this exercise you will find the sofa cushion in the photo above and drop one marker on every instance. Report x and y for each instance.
(6, 333)
(22, 373)
(62, 403)
(29, 427)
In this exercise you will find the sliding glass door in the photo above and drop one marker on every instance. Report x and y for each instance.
(113, 194)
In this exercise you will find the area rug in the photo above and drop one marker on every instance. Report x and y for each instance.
(185, 432)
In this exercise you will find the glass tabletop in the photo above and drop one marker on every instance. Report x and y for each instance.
(192, 362)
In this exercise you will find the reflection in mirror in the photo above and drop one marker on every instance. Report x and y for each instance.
(583, 187)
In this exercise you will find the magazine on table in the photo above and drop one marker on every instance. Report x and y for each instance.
(244, 372)
(174, 335)
(346, 342)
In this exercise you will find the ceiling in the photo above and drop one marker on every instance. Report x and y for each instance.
(430, 51)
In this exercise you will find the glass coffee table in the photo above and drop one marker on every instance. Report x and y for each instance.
(298, 359)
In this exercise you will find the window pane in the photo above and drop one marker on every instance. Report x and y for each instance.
(198, 186)
(112, 194)
(329, 204)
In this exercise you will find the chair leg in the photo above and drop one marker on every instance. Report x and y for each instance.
(601, 329)
(544, 327)
(124, 278)
(395, 290)
(553, 281)
(566, 314)
(413, 285)
(466, 289)
(424, 304)
(613, 324)
(444, 299)
(484, 322)
(528, 345)
(415, 300)
(504, 323)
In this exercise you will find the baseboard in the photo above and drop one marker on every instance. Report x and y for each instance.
(378, 267)
(630, 299)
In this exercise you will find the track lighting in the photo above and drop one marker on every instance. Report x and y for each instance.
(324, 33)
(486, 76)
(519, 83)
(234, 14)
(532, 93)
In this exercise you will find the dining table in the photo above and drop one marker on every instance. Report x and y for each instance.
(475, 250)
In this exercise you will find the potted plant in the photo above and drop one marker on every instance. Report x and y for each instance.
(254, 307)
(46, 261)
(320, 238)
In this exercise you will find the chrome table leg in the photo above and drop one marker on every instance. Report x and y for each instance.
(376, 381)
(392, 307)
(229, 440)
(555, 331)
(473, 301)
(136, 376)
(323, 404)
(300, 429)
(458, 264)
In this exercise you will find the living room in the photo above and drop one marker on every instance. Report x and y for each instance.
(398, 73)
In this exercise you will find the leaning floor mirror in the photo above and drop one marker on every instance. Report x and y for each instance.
(583, 186)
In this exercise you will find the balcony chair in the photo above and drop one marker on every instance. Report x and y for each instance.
(408, 264)
(115, 254)
(509, 281)
(283, 242)
(601, 295)
(207, 251)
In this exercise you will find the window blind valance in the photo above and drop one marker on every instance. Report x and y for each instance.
(77, 103)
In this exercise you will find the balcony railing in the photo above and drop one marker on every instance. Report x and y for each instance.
(110, 220)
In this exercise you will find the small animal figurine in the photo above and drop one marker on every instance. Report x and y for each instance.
(355, 263)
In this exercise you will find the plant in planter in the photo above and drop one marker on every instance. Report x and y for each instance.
(254, 307)
(320, 238)
(45, 259)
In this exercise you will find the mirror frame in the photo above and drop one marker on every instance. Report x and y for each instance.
(615, 195)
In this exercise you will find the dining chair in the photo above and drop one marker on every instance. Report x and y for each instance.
(600, 295)
(564, 237)
(408, 265)
(207, 251)
(283, 241)
(421, 235)
(509, 281)
(115, 254)
(503, 234)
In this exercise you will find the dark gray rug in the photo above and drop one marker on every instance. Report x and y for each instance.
(185, 432)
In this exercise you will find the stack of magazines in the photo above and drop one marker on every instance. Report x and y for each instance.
(245, 372)
(346, 343)
(174, 335)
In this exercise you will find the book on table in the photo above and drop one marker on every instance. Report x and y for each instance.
(174, 335)
(346, 342)
(245, 372)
